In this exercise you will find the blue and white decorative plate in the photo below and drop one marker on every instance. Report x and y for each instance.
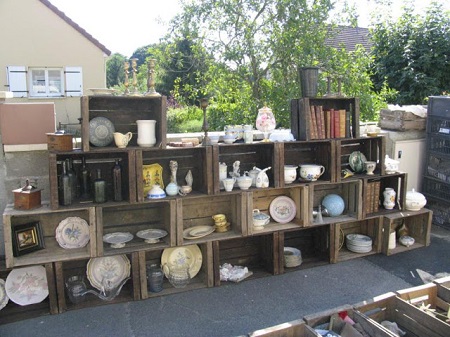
(72, 232)
(101, 131)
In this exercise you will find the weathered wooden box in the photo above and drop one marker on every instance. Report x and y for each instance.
(25, 200)
(296, 328)
(401, 120)
(59, 142)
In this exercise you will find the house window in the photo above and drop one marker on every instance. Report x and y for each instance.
(46, 82)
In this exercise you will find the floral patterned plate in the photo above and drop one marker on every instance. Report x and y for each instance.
(3, 296)
(282, 209)
(180, 256)
(72, 232)
(27, 285)
(108, 272)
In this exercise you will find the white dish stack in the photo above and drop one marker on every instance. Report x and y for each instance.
(358, 243)
(292, 257)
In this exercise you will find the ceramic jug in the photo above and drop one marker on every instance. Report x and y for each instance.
(121, 139)
(389, 198)
(146, 133)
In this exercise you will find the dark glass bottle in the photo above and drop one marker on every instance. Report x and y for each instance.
(72, 178)
(99, 188)
(65, 190)
(85, 184)
(117, 181)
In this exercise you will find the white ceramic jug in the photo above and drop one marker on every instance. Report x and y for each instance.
(146, 133)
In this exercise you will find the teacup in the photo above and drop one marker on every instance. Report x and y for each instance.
(290, 173)
(228, 183)
(219, 217)
(229, 139)
(370, 167)
(185, 189)
(311, 172)
(121, 139)
(214, 139)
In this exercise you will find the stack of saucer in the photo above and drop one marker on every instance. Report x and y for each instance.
(292, 257)
(221, 224)
(358, 243)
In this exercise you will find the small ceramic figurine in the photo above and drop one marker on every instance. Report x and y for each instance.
(236, 170)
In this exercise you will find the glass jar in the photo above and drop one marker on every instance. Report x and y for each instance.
(155, 278)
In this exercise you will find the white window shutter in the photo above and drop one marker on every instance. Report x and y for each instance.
(74, 81)
(17, 80)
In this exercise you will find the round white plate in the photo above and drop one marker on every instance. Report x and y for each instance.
(151, 235)
(117, 239)
(282, 209)
(180, 256)
(197, 232)
(72, 232)
(3, 296)
(112, 270)
(27, 285)
(359, 240)
(102, 91)
(101, 131)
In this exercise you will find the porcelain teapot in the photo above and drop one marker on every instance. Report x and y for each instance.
(253, 173)
(262, 180)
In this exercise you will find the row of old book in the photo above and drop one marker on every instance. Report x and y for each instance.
(372, 197)
(329, 123)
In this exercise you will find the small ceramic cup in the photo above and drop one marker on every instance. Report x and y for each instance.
(228, 183)
(121, 139)
(370, 167)
(219, 217)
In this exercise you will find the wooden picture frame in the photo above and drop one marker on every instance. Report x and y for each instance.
(27, 238)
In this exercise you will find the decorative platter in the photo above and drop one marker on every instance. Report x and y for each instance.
(102, 91)
(101, 131)
(3, 296)
(108, 272)
(356, 161)
(152, 235)
(196, 232)
(117, 239)
(72, 232)
(27, 285)
(152, 174)
(282, 209)
(186, 255)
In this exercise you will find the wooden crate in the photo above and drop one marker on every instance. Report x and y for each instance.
(418, 224)
(204, 278)
(59, 142)
(313, 243)
(372, 227)
(373, 193)
(261, 155)
(296, 328)
(350, 191)
(199, 210)
(399, 120)
(260, 254)
(159, 214)
(320, 152)
(13, 312)
(123, 112)
(262, 199)
(322, 320)
(197, 160)
(49, 221)
(104, 161)
(302, 124)
(63, 270)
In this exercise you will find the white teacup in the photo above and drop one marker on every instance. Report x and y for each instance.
(228, 183)
(121, 139)
(290, 174)
(311, 172)
(370, 167)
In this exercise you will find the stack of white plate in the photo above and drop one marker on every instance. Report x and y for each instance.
(358, 243)
(292, 257)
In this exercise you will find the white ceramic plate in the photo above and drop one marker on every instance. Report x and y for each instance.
(112, 270)
(101, 131)
(282, 209)
(72, 232)
(3, 296)
(151, 235)
(197, 232)
(180, 256)
(102, 91)
(27, 285)
(117, 239)
(359, 240)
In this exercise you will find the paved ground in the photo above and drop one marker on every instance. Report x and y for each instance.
(237, 309)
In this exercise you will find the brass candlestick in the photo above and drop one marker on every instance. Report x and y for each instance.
(135, 83)
(151, 79)
(126, 66)
(205, 127)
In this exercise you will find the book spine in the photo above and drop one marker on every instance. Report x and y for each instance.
(347, 124)
(342, 125)
(367, 198)
(327, 124)
(332, 135)
(319, 124)
(313, 126)
(376, 201)
(322, 122)
(336, 124)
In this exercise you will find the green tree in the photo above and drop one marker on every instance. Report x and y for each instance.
(412, 54)
(114, 70)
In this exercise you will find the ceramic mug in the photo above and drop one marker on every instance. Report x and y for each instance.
(311, 172)
(370, 167)
(228, 183)
(121, 139)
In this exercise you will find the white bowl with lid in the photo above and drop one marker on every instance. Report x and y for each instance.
(414, 200)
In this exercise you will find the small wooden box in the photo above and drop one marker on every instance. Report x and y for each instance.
(59, 142)
(24, 200)
(401, 120)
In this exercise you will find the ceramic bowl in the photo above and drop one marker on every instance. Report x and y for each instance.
(311, 172)
(214, 139)
(229, 139)
(260, 219)
(406, 240)
(244, 182)
(415, 200)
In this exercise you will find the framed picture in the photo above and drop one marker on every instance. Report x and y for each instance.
(27, 238)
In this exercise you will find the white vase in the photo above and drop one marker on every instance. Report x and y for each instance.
(389, 198)
(146, 133)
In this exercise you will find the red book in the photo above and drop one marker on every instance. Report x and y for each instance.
(313, 126)
(322, 122)
(332, 123)
(336, 124)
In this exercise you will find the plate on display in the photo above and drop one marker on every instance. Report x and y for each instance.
(196, 232)
(117, 239)
(152, 235)
(28, 285)
(102, 91)
(282, 209)
(181, 256)
(108, 272)
(101, 131)
(356, 161)
(3, 296)
(72, 232)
